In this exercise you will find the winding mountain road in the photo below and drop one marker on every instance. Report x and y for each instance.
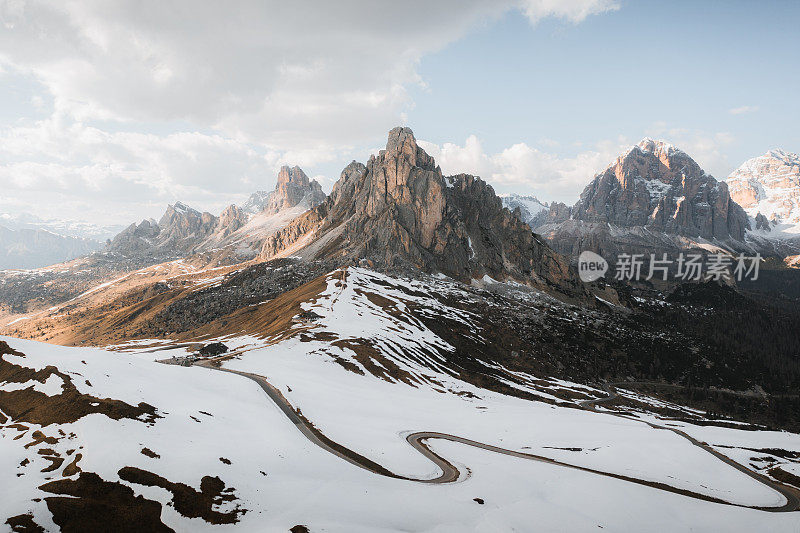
(450, 473)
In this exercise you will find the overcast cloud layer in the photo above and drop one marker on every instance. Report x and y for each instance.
(135, 104)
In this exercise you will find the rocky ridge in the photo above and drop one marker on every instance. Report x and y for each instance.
(399, 209)
(184, 231)
(769, 185)
(293, 188)
(655, 198)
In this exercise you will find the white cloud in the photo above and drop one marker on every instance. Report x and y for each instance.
(201, 101)
(743, 110)
(708, 149)
(523, 169)
(573, 10)
(270, 72)
(66, 161)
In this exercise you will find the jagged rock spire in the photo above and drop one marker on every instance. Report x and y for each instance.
(399, 209)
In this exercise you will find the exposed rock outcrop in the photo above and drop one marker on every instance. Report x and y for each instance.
(660, 187)
(762, 223)
(236, 235)
(179, 231)
(400, 210)
(769, 185)
(652, 199)
(230, 220)
(293, 188)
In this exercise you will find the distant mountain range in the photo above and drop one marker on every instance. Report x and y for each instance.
(235, 235)
(407, 306)
(655, 198)
(33, 248)
(28, 241)
(67, 228)
(652, 198)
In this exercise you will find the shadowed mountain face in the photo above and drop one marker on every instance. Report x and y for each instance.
(660, 187)
(400, 210)
(654, 198)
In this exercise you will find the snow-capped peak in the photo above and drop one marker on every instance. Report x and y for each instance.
(182, 208)
(653, 146)
(769, 184)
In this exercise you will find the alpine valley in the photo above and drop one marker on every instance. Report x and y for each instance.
(414, 353)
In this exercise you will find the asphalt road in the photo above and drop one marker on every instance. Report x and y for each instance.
(450, 473)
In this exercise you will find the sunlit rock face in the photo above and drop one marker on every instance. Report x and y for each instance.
(770, 185)
(660, 187)
(399, 209)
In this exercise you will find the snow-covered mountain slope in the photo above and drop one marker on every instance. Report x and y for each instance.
(529, 206)
(770, 185)
(186, 447)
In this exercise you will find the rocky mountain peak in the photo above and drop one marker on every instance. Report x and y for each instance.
(182, 208)
(230, 220)
(402, 144)
(404, 178)
(769, 184)
(293, 188)
(180, 211)
(786, 157)
(528, 208)
(293, 175)
(399, 210)
(658, 186)
(660, 149)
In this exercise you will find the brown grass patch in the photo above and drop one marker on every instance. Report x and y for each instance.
(73, 468)
(150, 453)
(785, 477)
(188, 501)
(90, 504)
(55, 464)
(368, 355)
(34, 407)
(24, 524)
(38, 438)
(271, 320)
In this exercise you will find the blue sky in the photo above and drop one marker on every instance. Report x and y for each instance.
(108, 112)
(648, 68)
